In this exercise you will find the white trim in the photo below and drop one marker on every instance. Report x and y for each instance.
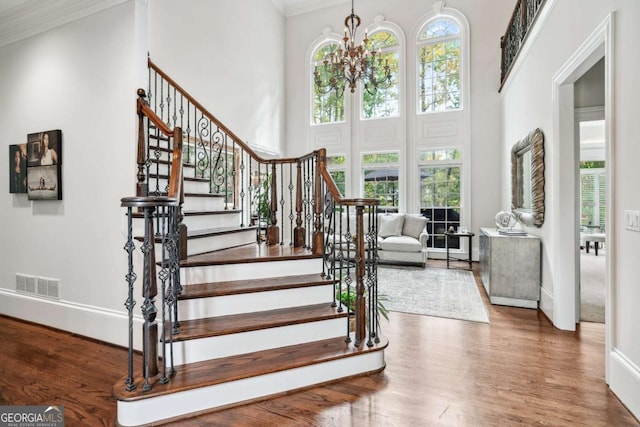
(514, 302)
(624, 379)
(532, 36)
(36, 17)
(546, 302)
(95, 322)
(599, 43)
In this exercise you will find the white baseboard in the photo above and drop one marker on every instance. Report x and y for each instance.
(624, 381)
(546, 303)
(94, 322)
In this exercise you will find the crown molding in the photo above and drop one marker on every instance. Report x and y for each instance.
(36, 16)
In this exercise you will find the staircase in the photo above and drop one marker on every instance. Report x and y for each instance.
(243, 318)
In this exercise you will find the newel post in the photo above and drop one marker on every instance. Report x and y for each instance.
(142, 188)
(318, 200)
(360, 270)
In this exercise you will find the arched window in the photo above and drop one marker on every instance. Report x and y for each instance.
(439, 68)
(384, 101)
(327, 105)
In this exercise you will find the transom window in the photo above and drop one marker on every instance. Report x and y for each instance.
(380, 172)
(383, 102)
(438, 71)
(440, 200)
(328, 106)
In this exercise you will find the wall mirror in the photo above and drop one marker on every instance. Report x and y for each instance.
(527, 179)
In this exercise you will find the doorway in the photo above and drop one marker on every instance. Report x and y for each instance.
(591, 195)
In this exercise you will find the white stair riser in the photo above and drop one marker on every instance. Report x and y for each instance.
(200, 308)
(203, 203)
(197, 350)
(137, 412)
(202, 222)
(201, 187)
(258, 270)
(217, 242)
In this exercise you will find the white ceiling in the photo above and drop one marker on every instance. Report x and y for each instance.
(297, 7)
(287, 7)
(6, 5)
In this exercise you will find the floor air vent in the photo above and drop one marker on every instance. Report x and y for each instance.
(38, 286)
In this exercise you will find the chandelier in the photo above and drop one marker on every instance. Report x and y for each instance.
(352, 62)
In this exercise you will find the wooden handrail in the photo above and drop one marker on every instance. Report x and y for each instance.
(333, 189)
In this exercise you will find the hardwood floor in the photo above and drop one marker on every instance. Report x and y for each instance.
(517, 370)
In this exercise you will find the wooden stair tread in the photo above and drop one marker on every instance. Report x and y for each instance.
(186, 178)
(233, 368)
(195, 213)
(208, 232)
(249, 253)
(245, 322)
(235, 287)
(218, 212)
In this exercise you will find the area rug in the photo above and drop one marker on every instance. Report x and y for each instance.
(592, 286)
(432, 292)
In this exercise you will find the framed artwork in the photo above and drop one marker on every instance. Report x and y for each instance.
(44, 165)
(18, 168)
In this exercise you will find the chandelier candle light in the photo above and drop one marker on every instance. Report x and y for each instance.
(353, 63)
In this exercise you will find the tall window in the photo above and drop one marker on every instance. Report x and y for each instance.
(383, 102)
(440, 193)
(328, 106)
(380, 172)
(337, 166)
(439, 89)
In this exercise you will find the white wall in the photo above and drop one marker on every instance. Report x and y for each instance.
(230, 56)
(528, 103)
(487, 21)
(78, 78)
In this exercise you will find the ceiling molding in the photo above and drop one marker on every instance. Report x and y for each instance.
(36, 16)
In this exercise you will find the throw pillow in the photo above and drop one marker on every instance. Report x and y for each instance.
(413, 226)
(390, 225)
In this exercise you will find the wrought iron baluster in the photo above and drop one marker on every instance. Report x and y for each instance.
(282, 202)
(149, 310)
(291, 201)
(130, 302)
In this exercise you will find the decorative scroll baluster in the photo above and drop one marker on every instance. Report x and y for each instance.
(149, 310)
(291, 202)
(130, 303)
(273, 231)
(282, 202)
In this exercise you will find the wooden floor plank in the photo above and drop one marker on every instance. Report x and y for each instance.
(517, 370)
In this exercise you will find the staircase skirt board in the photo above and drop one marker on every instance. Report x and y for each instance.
(224, 395)
(247, 303)
(258, 270)
(197, 350)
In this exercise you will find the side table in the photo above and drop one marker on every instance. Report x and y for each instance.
(468, 235)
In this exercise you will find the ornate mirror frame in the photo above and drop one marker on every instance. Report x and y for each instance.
(532, 215)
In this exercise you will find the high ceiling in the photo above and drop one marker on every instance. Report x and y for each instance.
(287, 7)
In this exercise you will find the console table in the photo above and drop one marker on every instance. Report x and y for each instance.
(510, 268)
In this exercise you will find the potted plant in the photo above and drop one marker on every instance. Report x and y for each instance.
(348, 298)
